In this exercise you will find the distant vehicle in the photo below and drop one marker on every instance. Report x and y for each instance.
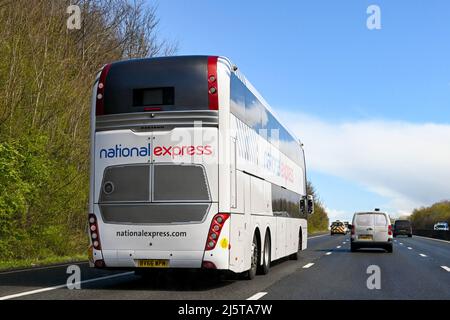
(346, 223)
(371, 230)
(402, 227)
(338, 227)
(441, 226)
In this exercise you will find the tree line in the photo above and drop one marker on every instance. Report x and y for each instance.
(424, 218)
(46, 74)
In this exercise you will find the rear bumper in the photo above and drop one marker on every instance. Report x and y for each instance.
(129, 258)
(402, 232)
(371, 244)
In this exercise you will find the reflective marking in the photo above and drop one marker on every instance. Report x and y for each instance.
(328, 253)
(423, 255)
(257, 296)
(401, 243)
(409, 248)
(26, 293)
(309, 265)
(446, 268)
(338, 247)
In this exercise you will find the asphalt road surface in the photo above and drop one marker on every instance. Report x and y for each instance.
(419, 268)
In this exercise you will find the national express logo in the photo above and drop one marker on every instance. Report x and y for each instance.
(172, 151)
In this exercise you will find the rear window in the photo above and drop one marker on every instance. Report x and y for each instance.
(380, 220)
(170, 83)
(364, 219)
(402, 224)
(337, 224)
(179, 183)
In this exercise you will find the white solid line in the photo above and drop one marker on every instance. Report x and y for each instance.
(446, 268)
(26, 293)
(338, 247)
(328, 253)
(322, 235)
(43, 268)
(257, 296)
(309, 265)
(423, 255)
(409, 248)
(440, 240)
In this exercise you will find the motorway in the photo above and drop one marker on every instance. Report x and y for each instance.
(419, 268)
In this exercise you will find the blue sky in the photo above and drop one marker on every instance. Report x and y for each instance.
(316, 60)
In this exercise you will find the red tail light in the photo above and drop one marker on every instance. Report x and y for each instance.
(93, 231)
(390, 230)
(208, 265)
(213, 96)
(100, 104)
(215, 229)
(353, 230)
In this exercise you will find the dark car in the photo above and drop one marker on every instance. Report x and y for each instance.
(402, 227)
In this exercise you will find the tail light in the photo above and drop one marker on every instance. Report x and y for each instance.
(215, 229)
(353, 230)
(93, 231)
(208, 265)
(213, 97)
(390, 230)
(100, 98)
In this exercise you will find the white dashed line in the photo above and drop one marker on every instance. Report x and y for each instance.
(344, 242)
(338, 247)
(322, 235)
(446, 268)
(309, 265)
(257, 296)
(401, 243)
(422, 255)
(26, 293)
(328, 253)
(409, 248)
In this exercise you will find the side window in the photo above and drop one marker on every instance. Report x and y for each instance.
(237, 97)
(285, 202)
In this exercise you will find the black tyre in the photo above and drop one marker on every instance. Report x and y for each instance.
(264, 269)
(410, 235)
(251, 273)
(389, 248)
(296, 255)
(353, 247)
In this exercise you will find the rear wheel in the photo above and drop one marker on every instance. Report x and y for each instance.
(353, 247)
(266, 255)
(296, 255)
(251, 273)
(389, 248)
(409, 235)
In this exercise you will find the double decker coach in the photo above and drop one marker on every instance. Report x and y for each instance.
(190, 168)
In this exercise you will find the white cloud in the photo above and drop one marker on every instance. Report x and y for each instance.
(407, 163)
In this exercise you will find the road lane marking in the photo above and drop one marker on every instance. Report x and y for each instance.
(409, 248)
(43, 268)
(395, 240)
(61, 286)
(446, 268)
(423, 255)
(440, 240)
(401, 243)
(309, 265)
(328, 253)
(322, 235)
(344, 242)
(338, 247)
(257, 296)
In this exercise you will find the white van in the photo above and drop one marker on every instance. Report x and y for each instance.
(371, 230)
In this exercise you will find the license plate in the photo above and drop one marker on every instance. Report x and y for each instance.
(153, 263)
(365, 237)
